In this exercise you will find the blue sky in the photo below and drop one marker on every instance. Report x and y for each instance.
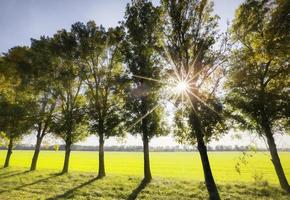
(21, 20)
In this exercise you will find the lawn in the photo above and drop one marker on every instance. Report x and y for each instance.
(176, 176)
(16, 184)
(181, 165)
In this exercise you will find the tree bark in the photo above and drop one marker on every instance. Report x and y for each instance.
(209, 180)
(102, 172)
(275, 159)
(145, 139)
(266, 125)
(68, 144)
(147, 170)
(36, 153)
(9, 152)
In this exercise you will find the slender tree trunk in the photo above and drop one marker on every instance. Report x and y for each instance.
(9, 152)
(36, 153)
(266, 125)
(145, 139)
(209, 180)
(147, 171)
(275, 159)
(102, 172)
(67, 155)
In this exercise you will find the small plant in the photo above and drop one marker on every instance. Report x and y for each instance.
(56, 147)
(259, 179)
(242, 160)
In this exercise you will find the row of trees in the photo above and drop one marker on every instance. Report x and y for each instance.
(92, 80)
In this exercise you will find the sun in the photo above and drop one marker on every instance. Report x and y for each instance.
(181, 86)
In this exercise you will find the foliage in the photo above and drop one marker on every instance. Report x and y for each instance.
(70, 121)
(43, 84)
(16, 104)
(100, 58)
(258, 78)
(212, 123)
(191, 44)
(140, 52)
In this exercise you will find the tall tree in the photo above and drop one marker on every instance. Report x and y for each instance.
(100, 55)
(70, 120)
(16, 105)
(191, 47)
(142, 22)
(43, 83)
(258, 80)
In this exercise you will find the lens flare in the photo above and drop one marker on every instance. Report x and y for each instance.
(181, 86)
(178, 85)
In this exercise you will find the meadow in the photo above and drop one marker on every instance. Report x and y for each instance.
(183, 165)
(176, 175)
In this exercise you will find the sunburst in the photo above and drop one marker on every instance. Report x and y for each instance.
(180, 86)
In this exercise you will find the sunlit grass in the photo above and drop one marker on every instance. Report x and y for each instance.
(16, 184)
(180, 165)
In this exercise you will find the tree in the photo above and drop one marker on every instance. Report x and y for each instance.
(142, 20)
(14, 123)
(258, 79)
(196, 52)
(70, 120)
(43, 85)
(102, 70)
(16, 105)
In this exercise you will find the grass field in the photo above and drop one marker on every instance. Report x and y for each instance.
(176, 176)
(45, 184)
(183, 165)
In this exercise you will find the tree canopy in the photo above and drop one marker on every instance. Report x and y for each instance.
(258, 79)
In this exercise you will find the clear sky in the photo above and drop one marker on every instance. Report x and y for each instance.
(21, 20)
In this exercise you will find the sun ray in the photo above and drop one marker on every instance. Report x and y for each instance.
(172, 63)
(141, 118)
(204, 103)
(179, 85)
(149, 112)
(193, 63)
(150, 79)
(189, 99)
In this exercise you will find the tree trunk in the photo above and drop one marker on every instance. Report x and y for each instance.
(67, 156)
(209, 180)
(145, 139)
(9, 152)
(147, 171)
(36, 154)
(275, 159)
(102, 172)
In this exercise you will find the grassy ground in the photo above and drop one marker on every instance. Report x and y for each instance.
(182, 165)
(16, 184)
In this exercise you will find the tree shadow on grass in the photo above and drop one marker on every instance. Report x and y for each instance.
(138, 189)
(30, 184)
(11, 174)
(70, 192)
(5, 171)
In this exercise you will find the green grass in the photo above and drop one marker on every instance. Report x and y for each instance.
(181, 165)
(16, 184)
(176, 176)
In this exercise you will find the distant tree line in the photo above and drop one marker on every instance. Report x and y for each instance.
(115, 81)
(140, 148)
